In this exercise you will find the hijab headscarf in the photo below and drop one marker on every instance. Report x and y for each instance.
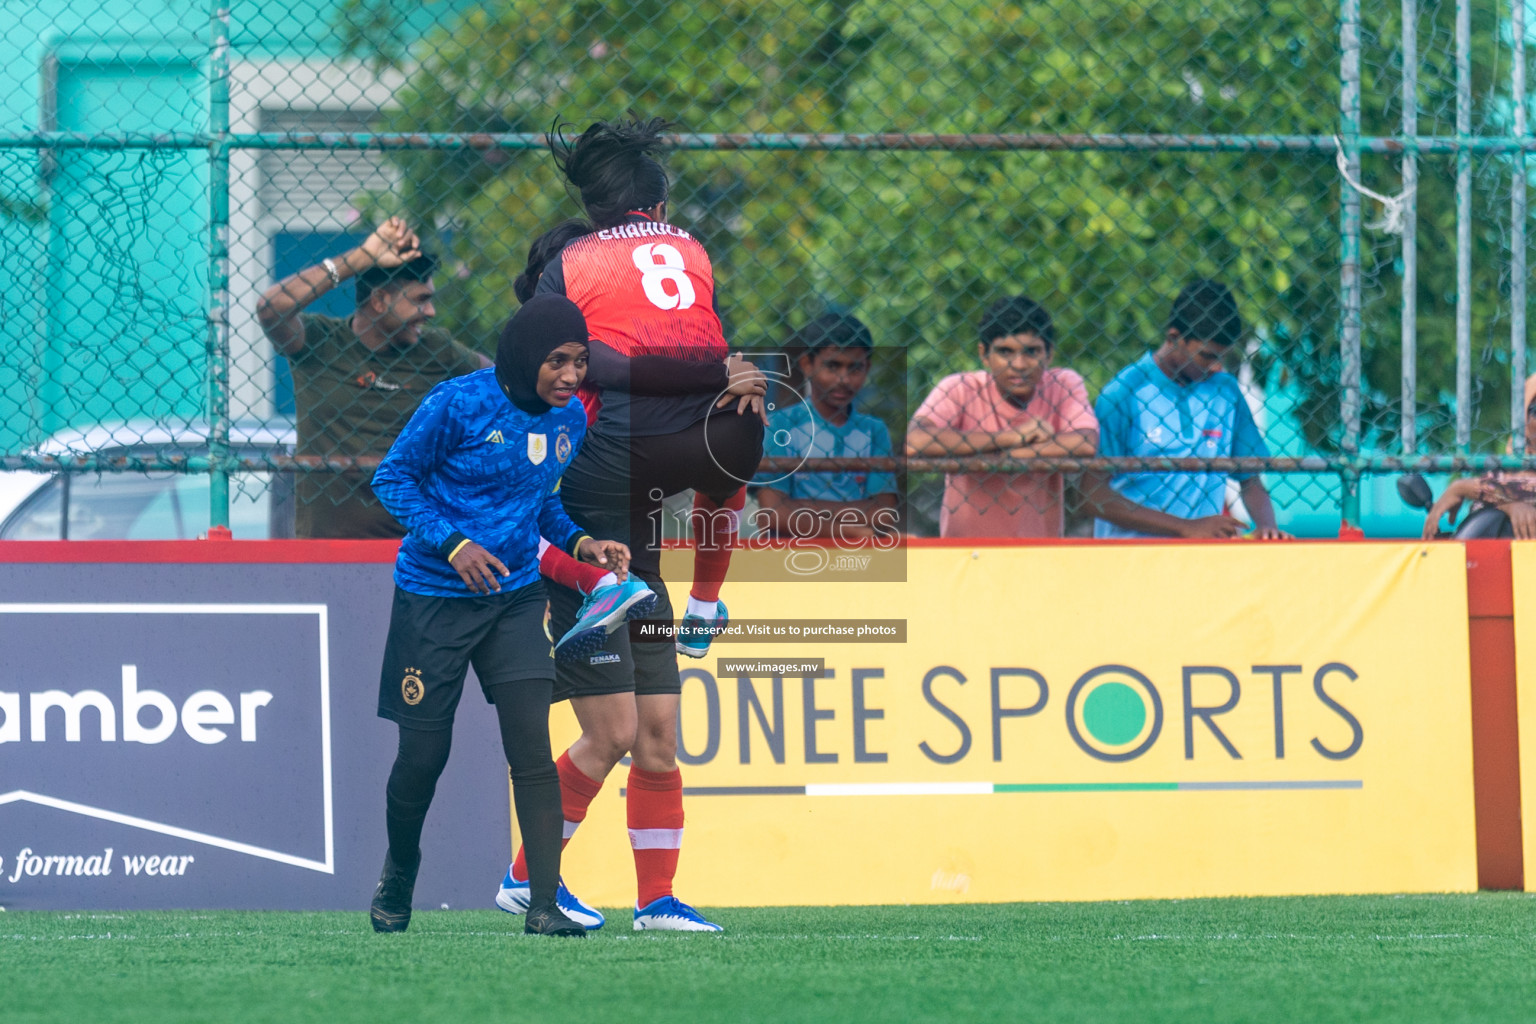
(544, 323)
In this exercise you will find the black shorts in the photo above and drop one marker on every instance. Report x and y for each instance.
(613, 490)
(615, 486)
(622, 665)
(434, 640)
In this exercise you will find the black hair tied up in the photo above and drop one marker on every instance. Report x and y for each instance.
(545, 248)
(613, 165)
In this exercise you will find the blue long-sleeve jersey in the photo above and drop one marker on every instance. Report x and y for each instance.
(470, 465)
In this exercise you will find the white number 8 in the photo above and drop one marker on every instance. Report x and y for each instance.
(658, 264)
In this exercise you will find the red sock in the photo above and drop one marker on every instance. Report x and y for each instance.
(655, 812)
(715, 527)
(567, 571)
(576, 793)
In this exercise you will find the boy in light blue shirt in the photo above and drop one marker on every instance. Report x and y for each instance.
(1177, 403)
(843, 505)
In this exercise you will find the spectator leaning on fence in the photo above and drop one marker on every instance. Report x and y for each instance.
(836, 355)
(1513, 493)
(1017, 406)
(357, 380)
(1177, 403)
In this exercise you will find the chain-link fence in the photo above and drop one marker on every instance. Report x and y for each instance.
(163, 167)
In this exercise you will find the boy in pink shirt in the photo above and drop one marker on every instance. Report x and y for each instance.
(1018, 405)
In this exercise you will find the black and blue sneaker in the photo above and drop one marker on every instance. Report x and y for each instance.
(513, 897)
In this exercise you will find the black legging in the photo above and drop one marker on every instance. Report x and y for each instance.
(522, 711)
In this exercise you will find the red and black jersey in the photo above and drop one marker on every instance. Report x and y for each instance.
(647, 290)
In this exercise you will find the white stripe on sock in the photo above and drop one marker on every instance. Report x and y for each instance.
(543, 546)
(656, 838)
(570, 829)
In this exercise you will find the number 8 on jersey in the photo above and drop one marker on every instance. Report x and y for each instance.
(659, 264)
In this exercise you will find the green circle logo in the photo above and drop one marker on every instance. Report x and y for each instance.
(1114, 714)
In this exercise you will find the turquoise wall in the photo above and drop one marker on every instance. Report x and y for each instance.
(103, 266)
(101, 290)
(126, 328)
(1308, 504)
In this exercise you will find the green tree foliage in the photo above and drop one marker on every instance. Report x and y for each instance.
(918, 242)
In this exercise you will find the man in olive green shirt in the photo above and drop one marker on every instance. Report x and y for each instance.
(357, 381)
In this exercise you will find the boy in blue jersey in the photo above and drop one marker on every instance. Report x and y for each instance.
(1177, 403)
(473, 477)
(843, 506)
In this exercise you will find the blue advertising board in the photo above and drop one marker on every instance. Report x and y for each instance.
(204, 735)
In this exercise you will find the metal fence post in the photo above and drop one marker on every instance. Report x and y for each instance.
(1517, 239)
(1349, 262)
(218, 269)
(1463, 226)
(1410, 321)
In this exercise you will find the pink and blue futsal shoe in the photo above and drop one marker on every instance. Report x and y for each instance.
(604, 610)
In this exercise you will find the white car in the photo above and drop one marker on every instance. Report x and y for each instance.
(148, 506)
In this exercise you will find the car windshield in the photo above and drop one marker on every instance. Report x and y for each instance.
(141, 506)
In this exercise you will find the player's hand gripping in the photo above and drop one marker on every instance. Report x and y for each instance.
(392, 244)
(479, 569)
(605, 554)
(748, 385)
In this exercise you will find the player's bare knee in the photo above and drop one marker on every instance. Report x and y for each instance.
(657, 736)
(655, 748)
(611, 743)
(655, 761)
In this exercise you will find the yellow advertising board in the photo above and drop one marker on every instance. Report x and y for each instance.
(1079, 723)
(1522, 556)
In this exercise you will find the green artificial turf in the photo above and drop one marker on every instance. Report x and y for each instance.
(1373, 958)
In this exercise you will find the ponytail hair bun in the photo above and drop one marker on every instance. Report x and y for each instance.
(613, 165)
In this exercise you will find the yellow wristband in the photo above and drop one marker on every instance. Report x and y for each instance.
(458, 547)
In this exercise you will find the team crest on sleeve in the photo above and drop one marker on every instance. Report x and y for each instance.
(563, 447)
(538, 448)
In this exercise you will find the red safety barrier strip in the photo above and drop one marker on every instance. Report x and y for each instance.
(1495, 719)
(196, 552)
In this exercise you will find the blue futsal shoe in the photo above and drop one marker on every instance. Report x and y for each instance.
(513, 898)
(695, 632)
(604, 610)
(670, 914)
